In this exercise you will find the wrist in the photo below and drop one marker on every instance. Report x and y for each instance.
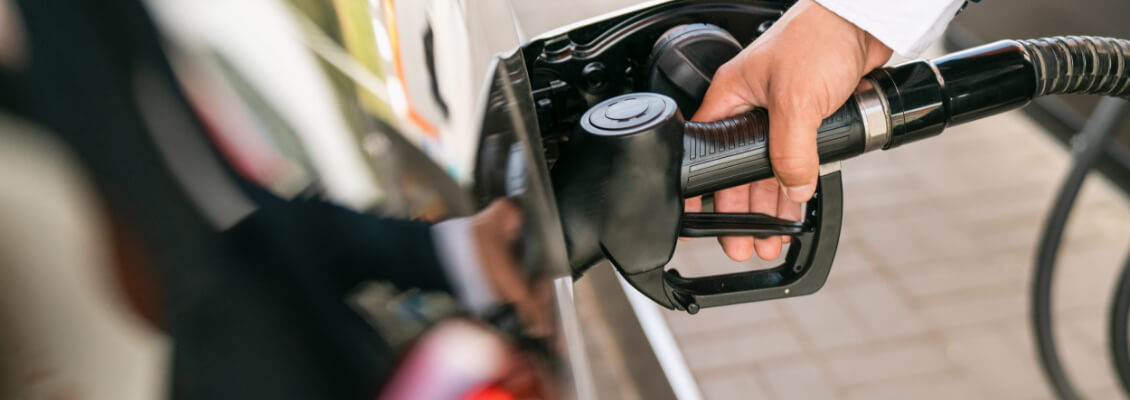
(875, 52)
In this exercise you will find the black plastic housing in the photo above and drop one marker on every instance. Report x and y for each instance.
(618, 187)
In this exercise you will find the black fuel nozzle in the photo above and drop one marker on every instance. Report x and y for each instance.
(620, 190)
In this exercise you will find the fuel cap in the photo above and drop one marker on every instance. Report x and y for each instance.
(628, 114)
(684, 59)
(626, 109)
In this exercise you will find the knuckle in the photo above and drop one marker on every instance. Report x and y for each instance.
(724, 72)
(794, 104)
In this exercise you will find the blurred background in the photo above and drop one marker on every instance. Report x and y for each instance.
(929, 296)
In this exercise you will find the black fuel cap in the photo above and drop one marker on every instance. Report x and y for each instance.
(684, 59)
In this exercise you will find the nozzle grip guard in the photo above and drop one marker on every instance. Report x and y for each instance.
(804, 271)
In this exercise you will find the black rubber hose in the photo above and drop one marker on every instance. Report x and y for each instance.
(1096, 134)
(1119, 318)
(1042, 282)
(1080, 64)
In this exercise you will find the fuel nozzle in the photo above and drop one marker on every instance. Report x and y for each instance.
(620, 190)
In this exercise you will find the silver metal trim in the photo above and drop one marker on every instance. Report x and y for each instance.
(875, 114)
(583, 385)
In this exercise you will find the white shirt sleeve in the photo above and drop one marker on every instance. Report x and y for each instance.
(457, 253)
(906, 26)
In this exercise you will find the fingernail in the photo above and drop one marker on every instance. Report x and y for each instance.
(786, 239)
(800, 193)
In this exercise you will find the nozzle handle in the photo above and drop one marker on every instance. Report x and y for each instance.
(733, 151)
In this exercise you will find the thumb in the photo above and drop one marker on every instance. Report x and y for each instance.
(792, 150)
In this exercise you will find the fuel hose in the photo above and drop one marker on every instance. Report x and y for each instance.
(1096, 134)
(1119, 315)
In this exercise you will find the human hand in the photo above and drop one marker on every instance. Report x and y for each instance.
(458, 356)
(801, 70)
(496, 230)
